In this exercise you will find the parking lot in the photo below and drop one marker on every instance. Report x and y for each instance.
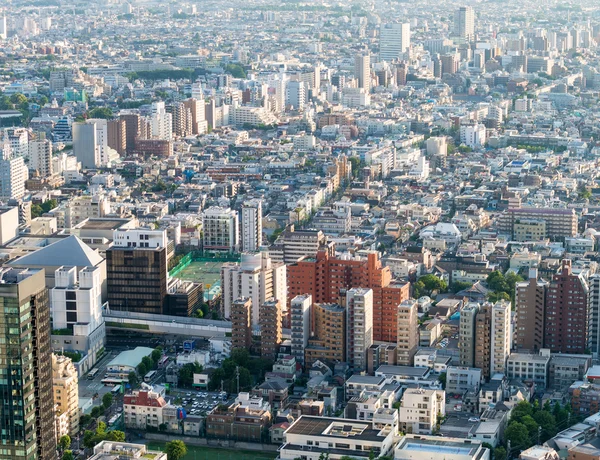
(196, 402)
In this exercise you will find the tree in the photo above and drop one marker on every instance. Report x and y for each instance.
(496, 281)
(187, 371)
(531, 424)
(546, 420)
(240, 356)
(147, 361)
(68, 455)
(101, 112)
(499, 453)
(355, 162)
(133, 378)
(518, 435)
(142, 369)
(115, 436)
(156, 355)
(107, 400)
(497, 296)
(442, 380)
(176, 450)
(521, 410)
(458, 286)
(64, 442)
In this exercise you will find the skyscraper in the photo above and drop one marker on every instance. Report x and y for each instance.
(27, 410)
(530, 309)
(567, 312)
(251, 226)
(362, 71)
(394, 41)
(464, 23)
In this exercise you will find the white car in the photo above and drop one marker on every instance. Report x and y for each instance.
(474, 419)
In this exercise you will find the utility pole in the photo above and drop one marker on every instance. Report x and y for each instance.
(508, 454)
(539, 435)
(237, 376)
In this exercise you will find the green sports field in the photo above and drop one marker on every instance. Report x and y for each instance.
(211, 453)
(205, 272)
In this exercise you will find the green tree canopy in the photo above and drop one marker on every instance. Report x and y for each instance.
(64, 442)
(107, 400)
(518, 435)
(176, 450)
(101, 112)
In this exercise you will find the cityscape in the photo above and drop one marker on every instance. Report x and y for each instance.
(299, 230)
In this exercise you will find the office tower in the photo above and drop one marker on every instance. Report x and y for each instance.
(328, 341)
(27, 421)
(241, 329)
(362, 71)
(76, 309)
(136, 271)
(359, 326)
(500, 337)
(408, 332)
(251, 231)
(295, 95)
(66, 393)
(530, 312)
(466, 336)
(300, 325)
(117, 135)
(270, 328)
(221, 229)
(394, 41)
(325, 276)
(40, 157)
(464, 23)
(567, 312)
(161, 122)
(256, 277)
(13, 174)
(483, 340)
(85, 144)
(3, 28)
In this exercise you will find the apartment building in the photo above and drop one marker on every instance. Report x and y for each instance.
(326, 276)
(251, 226)
(328, 342)
(467, 334)
(220, 229)
(559, 223)
(408, 332)
(460, 380)
(529, 367)
(66, 393)
(300, 307)
(530, 309)
(500, 336)
(359, 324)
(420, 410)
(270, 328)
(241, 326)
(142, 409)
(293, 245)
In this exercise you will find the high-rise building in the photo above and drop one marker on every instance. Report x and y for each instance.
(221, 229)
(66, 393)
(181, 118)
(359, 326)
(483, 339)
(326, 276)
(76, 309)
(85, 144)
(251, 226)
(594, 296)
(117, 135)
(362, 71)
(161, 122)
(256, 277)
(294, 244)
(328, 341)
(300, 307)
(3, 28)
(567, 312)
(197, 109)
(27, 421)
(270, 329)
(394, 41)
(13, 174)
(467, 334)
(500, 337)
(135, 128)
(136, 271)
(408, 332)
(295, 94)
(464, 23)
(40, 157)
(530, 312)
(241, 328)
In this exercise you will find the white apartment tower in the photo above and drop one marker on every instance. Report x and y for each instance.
(3, 28)
(500, 336)
(464, 23)
(66, 392)
(40, 157)
(251, 226)
(408, 332)
(13, 174)
(300, 323)
(296, 94)
(257, 278)
(359, 326)
(161, 122)
(221, 229)
(394, 41)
